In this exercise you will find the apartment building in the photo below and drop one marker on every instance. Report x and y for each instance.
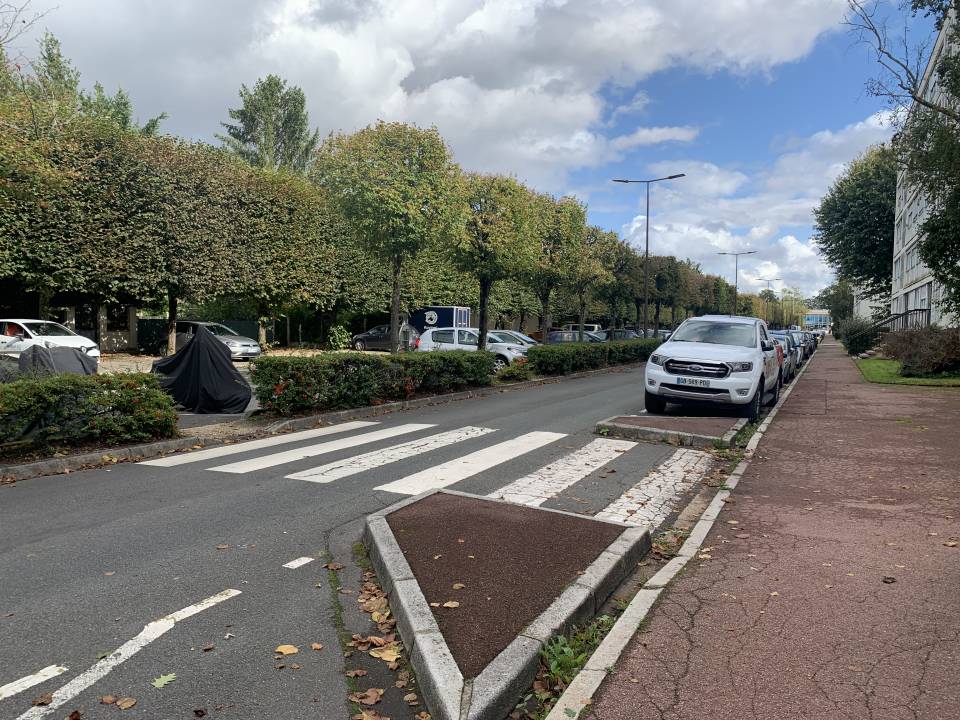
(913, 285)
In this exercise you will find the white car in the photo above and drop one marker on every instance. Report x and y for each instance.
(469, 339)
(714, 358)
(17, 335)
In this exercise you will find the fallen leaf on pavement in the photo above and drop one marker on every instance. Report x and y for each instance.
(126, 703)
(451, 604)
(951, 543)
(287, 649)
(110, 572)
(199, 712)
(75, 715)
(370, 697)
(108, 700)
(355, 673)
(222, 546)
(208, 648)
(434, 604)
(458, 586)
(42, 700)
(888, 579)
(411, 699)
(333, 566)
(393, 666)
(295, 666)
(423, 716)
(164, 680)
(316, 646)
(774, 594)
(437, 557)
(388, 653)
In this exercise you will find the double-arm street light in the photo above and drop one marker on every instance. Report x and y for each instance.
(646, 252)
(736, 272)
(765, 303)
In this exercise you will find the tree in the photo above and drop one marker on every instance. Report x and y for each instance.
(854, 223)
(272, 127)
(591, 268)
(498, 242)
(560, 228)
(399, 190)
(837, 297)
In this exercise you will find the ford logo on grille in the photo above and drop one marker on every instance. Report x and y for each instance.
(695, 368)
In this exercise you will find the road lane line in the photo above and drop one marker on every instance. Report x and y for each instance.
(539, 486)
(99, 670)
(650, 501)
(461, 468)
(368, 461)
(299, 562)
(24, 683)
(266, 461)
(221, 450)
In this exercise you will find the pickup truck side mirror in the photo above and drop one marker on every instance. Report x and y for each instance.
(766, 345)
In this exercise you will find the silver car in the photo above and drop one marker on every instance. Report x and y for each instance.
(241, 348)
(469, 339)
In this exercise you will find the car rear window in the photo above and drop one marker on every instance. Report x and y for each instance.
(443, 336)
(48, 329)
(716, 333)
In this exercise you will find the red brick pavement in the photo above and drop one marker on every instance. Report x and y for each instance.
(787, 614)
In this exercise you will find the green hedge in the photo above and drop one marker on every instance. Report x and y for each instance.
(565, 358)
(77, 409)
(337, 381)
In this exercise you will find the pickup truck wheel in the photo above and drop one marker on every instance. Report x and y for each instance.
(359, 345)
(653, 404)
(752, 411)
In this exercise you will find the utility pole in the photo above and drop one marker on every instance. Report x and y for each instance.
(646, 253)
(765, 303)
(736, 272)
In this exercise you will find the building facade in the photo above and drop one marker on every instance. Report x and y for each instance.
(913, 285)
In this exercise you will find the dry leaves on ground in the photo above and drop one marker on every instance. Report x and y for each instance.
(316, 646)
(388, 653)
(371, 696)
(287, 649)
(163, 680)
(355, 673)
(451, 604)
(42, 700)
(126, 703)
(333, 566)
(458, 586)
(108, 700)
(75, 715)
(411, 699)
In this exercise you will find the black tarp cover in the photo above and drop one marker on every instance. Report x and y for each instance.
(38, 361)
(201, 377)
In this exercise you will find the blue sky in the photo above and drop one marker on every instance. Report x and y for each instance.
(760, 102)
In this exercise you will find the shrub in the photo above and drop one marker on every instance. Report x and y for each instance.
(76, 409)
(924, 351)
(852, 333)
(287, 385)
(338, 338)
(517, 371)
(565, 358)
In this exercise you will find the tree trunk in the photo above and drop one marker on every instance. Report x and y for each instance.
(485, 285)
(395, 306)
(522, 319)
(583, 315)
(638, 306)
(171, 321)
(262, 325)
(673, 316)
(545, 316)
(656, 316)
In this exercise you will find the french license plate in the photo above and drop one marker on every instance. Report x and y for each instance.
(698, 382)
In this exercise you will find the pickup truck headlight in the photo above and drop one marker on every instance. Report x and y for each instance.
(657, 359)
(740, 366)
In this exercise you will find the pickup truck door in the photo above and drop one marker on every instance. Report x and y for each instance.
(771, 367)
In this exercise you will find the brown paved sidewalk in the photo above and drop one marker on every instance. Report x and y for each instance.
(786, 613)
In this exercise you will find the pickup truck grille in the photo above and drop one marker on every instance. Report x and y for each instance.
(696, 368)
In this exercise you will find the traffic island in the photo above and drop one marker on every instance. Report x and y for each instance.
(478, 586)
(681, 430)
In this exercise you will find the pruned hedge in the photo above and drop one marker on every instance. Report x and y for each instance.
(566, 358)
(337, 381)
(78, 409)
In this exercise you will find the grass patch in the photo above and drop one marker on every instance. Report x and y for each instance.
(887, 372)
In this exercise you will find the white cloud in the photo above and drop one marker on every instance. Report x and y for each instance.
(717, 209)
(514, 85)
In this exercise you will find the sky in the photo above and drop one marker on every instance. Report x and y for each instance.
(759, 102)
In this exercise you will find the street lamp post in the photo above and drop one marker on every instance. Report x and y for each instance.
(736, 272)
(765, 303)
(646, 252)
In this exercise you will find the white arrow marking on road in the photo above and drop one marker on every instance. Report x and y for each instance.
(368, 461)
(537, 487)
(11, 689)
(461, 468)
(299, 562)
(221, 450)
(245, 466)
(96, 672)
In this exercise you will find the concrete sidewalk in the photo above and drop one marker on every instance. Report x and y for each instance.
(830, 587)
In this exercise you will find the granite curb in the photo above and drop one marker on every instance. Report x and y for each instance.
(302, 423)
(495, 691)
(671, 437)
(69, 463)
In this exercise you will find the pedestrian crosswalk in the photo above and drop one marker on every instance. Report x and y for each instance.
(648, 502)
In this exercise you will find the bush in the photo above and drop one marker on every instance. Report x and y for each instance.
(76, 409)
(924, 351)
(288, 385)
(566, 358)
(338, 338)
(852, 333)
(517, 371)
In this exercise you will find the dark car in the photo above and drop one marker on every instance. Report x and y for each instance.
(571, 336)
(618, 334)
(378, 338)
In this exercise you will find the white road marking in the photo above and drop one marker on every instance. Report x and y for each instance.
(539, 486)
(368, 461)
(17, 686)
(221, 450)
(265, 461)
(98, 671)
(299, 562)
(650, 501)
(461, 468)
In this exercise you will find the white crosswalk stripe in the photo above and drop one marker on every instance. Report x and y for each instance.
(650, 501)
(538, 487)
(266, 461)
(222, 450)
(461, 468)
(377, 458)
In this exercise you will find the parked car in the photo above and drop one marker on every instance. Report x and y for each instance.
(804, 350)
(788, 364)
(723, 359)
(468, 339)
(378, 338)
(795, 351)
(241, 348)
(517, 336)
(588, 327)
(664, 335)
(617, 334)
(571, 336)
(17, 335)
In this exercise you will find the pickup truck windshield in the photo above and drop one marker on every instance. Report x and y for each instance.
(717, 333)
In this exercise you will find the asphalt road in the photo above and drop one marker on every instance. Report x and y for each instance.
(88, 559)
